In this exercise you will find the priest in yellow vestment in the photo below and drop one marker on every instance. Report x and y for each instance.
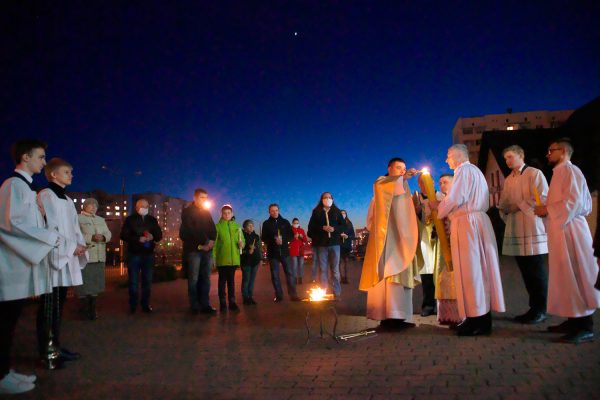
(389, 274)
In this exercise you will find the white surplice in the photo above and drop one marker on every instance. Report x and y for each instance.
(525, 234)
(24, 243)
(573, 267)
(429, 248)
(61, 217)
(473, 244)
(389, 299)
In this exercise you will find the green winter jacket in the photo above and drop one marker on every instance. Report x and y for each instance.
(226, 251)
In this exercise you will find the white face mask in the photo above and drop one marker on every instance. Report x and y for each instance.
(327, 202)
(296, 225)
(143, 212)
(344, 216)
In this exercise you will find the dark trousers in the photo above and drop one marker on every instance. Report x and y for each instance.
(199, 264)
(344, 256)
(227, 277)
(535, 278)
(428, 290)
(289, 277)
(10, 311)
(49, 317)
(248, 277)
(140, 264)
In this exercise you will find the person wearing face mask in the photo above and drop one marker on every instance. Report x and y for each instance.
(346, 246)
(297, 250)
(140, 232)
(324, 228)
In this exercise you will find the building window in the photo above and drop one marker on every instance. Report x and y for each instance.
(467, 131)
(117, 208)
(74, 200)
(509, 128)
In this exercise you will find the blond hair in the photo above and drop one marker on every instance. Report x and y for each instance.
(53, 165)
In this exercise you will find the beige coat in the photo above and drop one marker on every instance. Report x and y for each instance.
(91, 225)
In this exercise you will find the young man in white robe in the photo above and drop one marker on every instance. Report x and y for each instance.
(473, 243)
(24, 245)
(66, 260)
(524, 235)
(573, 267)
(428, 244)
(389, 274)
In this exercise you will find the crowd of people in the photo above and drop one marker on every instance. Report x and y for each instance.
(443, 241)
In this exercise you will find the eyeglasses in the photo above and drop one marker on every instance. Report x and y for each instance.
(550, 150)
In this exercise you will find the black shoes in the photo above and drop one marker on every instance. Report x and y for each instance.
(475, 326)
(344, 280)
(67, 355)
(564, 327)
(531, 317)
(147, 309)
(251, 300)
(295, 298)
(427, 311)
(277, 299)
(393, 324)
(132, 309)
(233, 307)
(578, 337)
(298, 281)
(208, 310)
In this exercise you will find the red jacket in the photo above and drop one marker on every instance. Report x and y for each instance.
(297, 244)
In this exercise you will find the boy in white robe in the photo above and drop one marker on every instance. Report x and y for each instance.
(474, 250)
(524, 234)
(573, 269)
(24, 246)
(66, 261)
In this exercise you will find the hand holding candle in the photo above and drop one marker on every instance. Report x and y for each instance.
(327, 221)
(536, 194)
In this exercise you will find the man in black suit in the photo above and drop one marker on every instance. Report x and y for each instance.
(141, 232)
(198, 234)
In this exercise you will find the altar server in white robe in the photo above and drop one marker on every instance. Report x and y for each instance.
(24, 245)
(525, 235)
(389, 274)
(473, 243)
(66, 260)
(573, 267)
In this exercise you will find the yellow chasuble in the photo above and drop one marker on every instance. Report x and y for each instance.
(393, 237)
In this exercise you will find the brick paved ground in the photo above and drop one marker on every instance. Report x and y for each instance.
(259, 353)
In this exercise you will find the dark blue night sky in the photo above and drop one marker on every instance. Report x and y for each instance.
(264, 101)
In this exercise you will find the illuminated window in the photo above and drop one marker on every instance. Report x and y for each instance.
(125, 202)
(117, 213)
(108, 213)
(74, 200)
(116, 249)
(125, 213)
(509, 128)
(108, 207)
(117, 208)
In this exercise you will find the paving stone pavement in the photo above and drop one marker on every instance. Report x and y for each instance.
(260, 353)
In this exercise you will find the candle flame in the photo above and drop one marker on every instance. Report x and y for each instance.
(425, 170)
(207, 205)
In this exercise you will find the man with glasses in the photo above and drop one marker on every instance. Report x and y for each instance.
(573, 269)
(198, 234)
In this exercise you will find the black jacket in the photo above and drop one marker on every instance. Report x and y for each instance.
(346, 245)
(269, 232)
(317, 221)
(197, 228)
(134, 227)
(253, 259)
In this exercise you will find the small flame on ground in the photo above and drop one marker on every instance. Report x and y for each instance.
(317, 294)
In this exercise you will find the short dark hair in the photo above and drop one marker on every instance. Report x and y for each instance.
(25, 146)
(295, 219)
(395, 160)
(246, 222)
(447, 175)
(273, 205)
(200, 191)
